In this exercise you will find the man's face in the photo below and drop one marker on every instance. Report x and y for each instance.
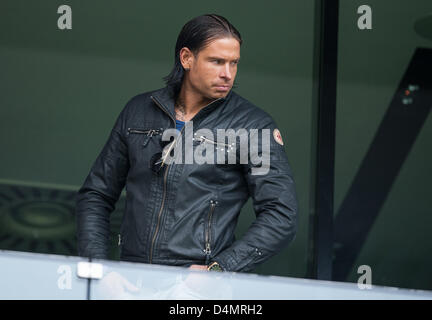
(213, 70)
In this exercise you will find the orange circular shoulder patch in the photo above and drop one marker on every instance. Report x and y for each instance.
(277, 136)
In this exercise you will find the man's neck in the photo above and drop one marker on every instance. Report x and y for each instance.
(189, 103)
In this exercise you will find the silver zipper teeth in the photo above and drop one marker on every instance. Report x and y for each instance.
(202, 138)
(207, 249)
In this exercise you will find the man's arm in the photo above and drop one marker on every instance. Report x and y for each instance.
(97, 197)
(275, 205)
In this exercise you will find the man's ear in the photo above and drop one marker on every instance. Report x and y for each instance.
(186, 58)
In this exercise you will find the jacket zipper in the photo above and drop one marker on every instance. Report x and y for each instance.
(207, 249)
(164, 191)
(159, 216)
(165, 175)
(150, 133)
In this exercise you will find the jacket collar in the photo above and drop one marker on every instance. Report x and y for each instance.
(166, 96)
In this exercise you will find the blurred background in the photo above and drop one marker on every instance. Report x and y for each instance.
(62, 90)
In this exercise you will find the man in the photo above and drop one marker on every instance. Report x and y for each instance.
(185, 213)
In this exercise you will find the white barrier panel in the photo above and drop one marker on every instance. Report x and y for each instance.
(40, 276)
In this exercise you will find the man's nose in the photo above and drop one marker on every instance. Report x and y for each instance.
(226, 73)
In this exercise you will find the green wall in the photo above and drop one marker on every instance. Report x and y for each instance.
(371, 63)
(62, 90)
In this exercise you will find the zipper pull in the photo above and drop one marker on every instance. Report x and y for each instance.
(207, 249)
(119, 239)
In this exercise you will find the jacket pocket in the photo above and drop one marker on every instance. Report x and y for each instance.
(146, 133)
(208, 231)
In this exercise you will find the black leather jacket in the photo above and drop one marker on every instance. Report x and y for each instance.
(188, 213)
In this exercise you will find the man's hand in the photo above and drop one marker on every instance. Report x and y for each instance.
(115, 286)
(198, 267)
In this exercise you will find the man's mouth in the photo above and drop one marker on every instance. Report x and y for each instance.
(222, 87)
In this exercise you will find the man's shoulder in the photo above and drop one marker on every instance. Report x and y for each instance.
(243, 108)
(142, 98)
(140, 101)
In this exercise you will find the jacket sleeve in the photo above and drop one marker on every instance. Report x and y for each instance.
(98, 195)
(274, 201)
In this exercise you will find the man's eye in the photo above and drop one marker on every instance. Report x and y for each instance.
(217, 61)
